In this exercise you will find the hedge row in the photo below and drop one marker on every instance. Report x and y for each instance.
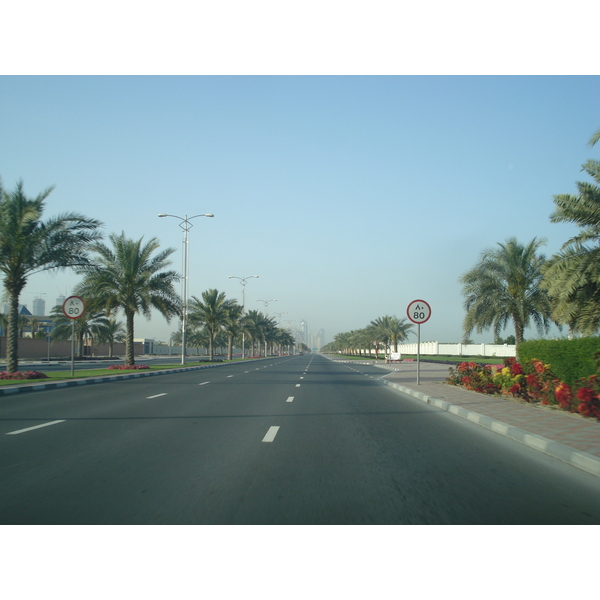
(570, 359)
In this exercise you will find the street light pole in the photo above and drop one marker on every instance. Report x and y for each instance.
(266, 303)
(185, 226)
(243, 282)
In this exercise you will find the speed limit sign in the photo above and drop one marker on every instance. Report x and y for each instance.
(418, 311)
(73, 307)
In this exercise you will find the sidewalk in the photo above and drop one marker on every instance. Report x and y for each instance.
(567, 437)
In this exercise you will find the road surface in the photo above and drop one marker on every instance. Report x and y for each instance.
(290, 440)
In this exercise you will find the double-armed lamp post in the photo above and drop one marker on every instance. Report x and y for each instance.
(184, 223)
(266, 303)
(243, 282)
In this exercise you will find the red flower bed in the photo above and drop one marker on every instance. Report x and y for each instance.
(531, 382)
(23, 375)
(129, 367)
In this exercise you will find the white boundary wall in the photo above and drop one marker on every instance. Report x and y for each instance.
(435, 348)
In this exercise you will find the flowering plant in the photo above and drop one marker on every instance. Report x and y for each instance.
(589, 398)
(540, 382)
(22, 375)
(473, 377)
(511, 379)
(532, 382)
(564, 395)
(129, 367)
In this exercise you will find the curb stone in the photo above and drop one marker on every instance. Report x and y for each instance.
(576, 458)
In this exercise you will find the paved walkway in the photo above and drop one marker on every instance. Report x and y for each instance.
(564, 436)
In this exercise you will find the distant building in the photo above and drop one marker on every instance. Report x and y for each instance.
(23, 310)
(319, 338)
(304, 332)
(39, 307)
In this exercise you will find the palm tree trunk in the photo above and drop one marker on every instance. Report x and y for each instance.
(129, 358)
(519, 329)
(12, 351)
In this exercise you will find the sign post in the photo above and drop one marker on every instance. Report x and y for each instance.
(73, 307)
(418, 311)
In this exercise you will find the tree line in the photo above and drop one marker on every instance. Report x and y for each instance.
(515, 283)
(125, 275)
(383, 333)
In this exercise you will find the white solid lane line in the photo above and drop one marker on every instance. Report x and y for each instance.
(35, 427)
(156, 396)
(290, 399)
(270, 436)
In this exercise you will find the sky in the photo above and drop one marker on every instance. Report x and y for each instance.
(349, 196)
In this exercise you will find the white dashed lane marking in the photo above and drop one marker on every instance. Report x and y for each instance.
(34, 427)
(270, 435)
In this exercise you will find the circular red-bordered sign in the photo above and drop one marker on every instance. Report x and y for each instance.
(418, 311)
(73, 307)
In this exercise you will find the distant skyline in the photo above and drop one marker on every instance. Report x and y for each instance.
(348, 196)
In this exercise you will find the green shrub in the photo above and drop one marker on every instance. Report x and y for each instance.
(570, 359)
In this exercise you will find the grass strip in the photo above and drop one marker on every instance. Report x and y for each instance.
(54, 376)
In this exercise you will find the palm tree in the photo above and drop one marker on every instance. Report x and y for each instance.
(282, 337)
(130, 278)
(505, 285)
(112, 332)
(572, 277)
(29, 245)
(211, 312)
(391, 330)
(233, 326)
(255, 325)
(34, 326)
(197, 338)
(22, 323)
(88, 325)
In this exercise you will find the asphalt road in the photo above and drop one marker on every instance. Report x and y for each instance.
(291, 440)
